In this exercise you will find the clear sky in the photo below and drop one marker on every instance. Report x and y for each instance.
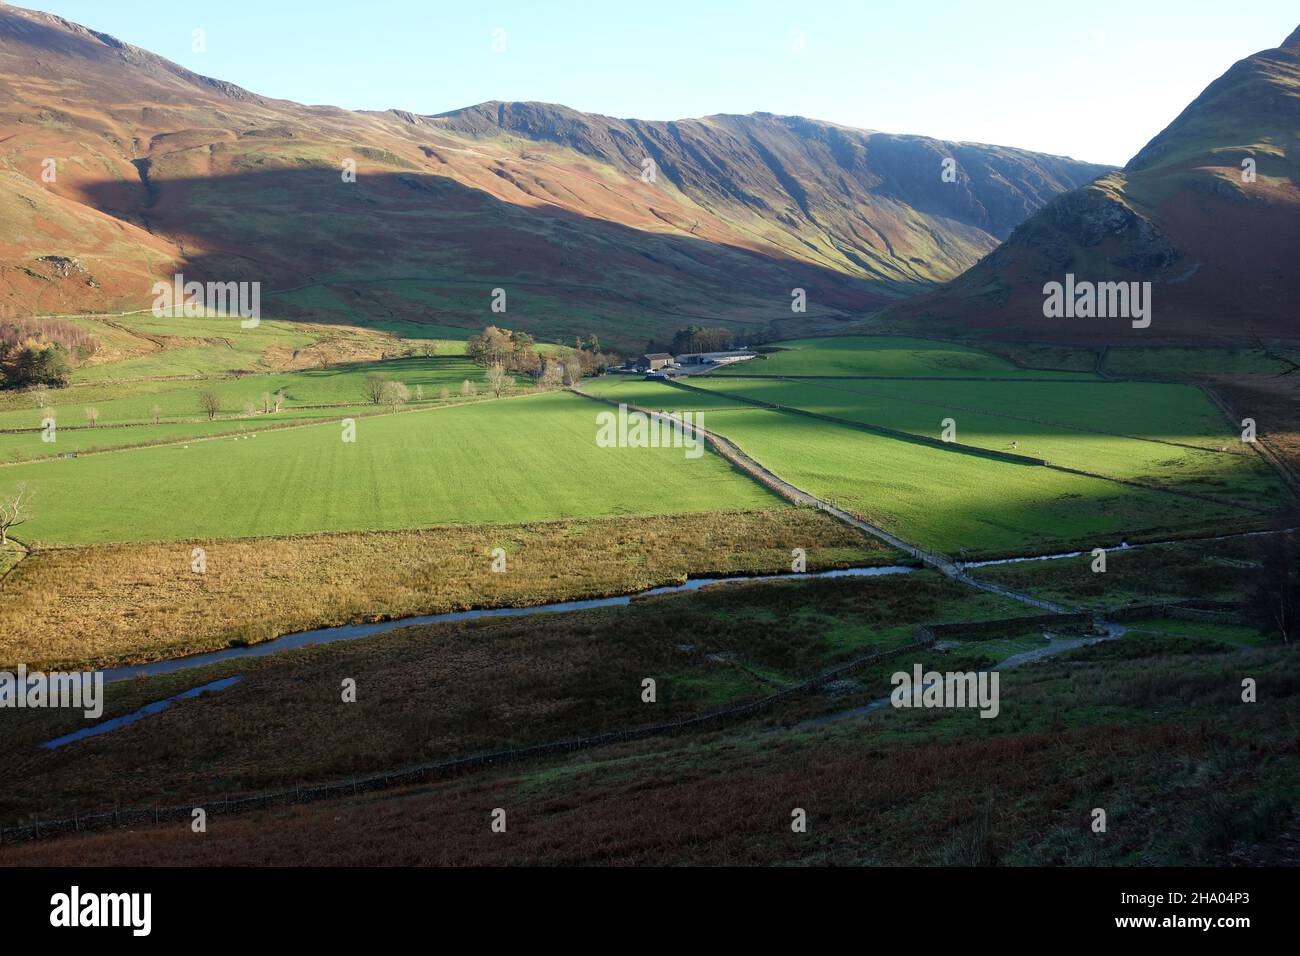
(1093, 79)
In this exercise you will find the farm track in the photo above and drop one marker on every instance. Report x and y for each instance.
(765, 476)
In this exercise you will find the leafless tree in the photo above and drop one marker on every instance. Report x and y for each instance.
(278, 398)
(552, 374)
(497, 379)
(156, 412)
(210, 404)
(374, 388)
(92, 416)
(394, 393)
(14, 510)
(467, 388)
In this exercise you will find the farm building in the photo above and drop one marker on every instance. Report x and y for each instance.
(652, 361)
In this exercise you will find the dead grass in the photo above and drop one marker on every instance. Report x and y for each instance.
(449, 690)
(125, 604)
(990, 796)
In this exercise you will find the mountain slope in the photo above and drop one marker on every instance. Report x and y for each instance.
(160, 170)
(1219, 249)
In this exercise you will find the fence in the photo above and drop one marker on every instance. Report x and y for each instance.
(1204, 611)
(978, 630)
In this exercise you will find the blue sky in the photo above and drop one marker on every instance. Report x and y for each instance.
(1094, 80)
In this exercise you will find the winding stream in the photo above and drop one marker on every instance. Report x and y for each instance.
(348, 632)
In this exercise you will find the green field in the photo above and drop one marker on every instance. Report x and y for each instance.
(1129, 430)
(888, 356)
(126, 409)
(937, 498)
(525, 459)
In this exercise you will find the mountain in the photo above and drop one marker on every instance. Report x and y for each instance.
(158, 170)
(1218, 245)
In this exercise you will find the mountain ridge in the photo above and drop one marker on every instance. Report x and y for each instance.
(1208, 211)
(161, 170)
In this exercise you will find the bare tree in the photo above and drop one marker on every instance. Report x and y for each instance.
(395, 393)
(552, 374)
(210, 404)
(444, 392)
(497, 379)
(419, 393)
(266, 403)
(374, 388)
(467, 388)
(92, 416)
(14, 510)
(278, 398)
(156, 412)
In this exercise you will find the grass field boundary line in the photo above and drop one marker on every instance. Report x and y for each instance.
(251, 373)
(765, 476)
(871, 427)
(1022, 418)
(420, 773)
(722, 377)
(1261, 444)
(972, 449)
(279, 426)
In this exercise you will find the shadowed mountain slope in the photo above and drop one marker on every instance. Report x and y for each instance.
(122, 168)
(1208, 212)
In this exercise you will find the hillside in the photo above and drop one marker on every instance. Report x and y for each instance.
(160, 170)
(1219, 248)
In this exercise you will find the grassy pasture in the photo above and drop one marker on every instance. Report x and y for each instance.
(885, 356)
(126, 414)
(1076, 425)
(527, 459)
(939, 499)
(130, 402)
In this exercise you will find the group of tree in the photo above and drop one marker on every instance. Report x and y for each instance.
(40, 351)
(30, 364)
(698, 338)
(517, 354)
(380, 389)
